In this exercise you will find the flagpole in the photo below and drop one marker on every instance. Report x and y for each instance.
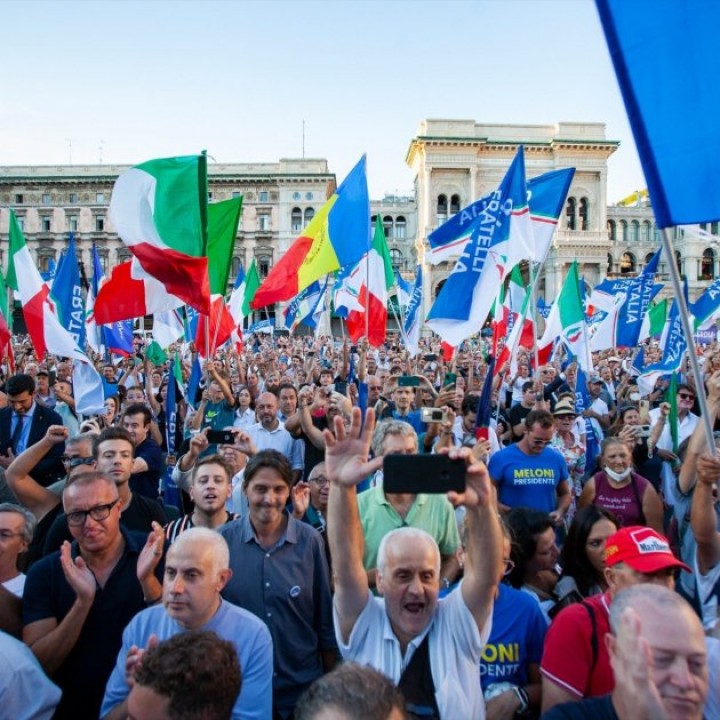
(533, 311)
(367, 297)
(397, 320)
(685, 320)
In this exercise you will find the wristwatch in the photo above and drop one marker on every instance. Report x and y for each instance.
(522, 696)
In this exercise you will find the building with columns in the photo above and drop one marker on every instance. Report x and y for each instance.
(279, 199)
(458, 161)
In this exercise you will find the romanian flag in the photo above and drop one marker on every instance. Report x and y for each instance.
(337, 236)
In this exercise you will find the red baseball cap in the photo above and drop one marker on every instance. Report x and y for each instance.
(641, 548)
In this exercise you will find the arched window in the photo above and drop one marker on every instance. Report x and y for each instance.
(647, 231)
(609, 264)
(263, 265)
(439, 287)
(296, 220)
(454, 204)
(396, 258)
(309, 214)
(635, 231)
(442, 208)
(624, 228)
(584, 214)
(648, 258)
(235, 266)
(400, 227)
(570, 221)
(388, 226)
(628, 263)
(707, 265)
(611, 230)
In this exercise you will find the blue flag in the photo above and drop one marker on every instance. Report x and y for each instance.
(67, 294)
(117, 337)
(667, 65)
(171, 494)
(707, 304)
(500, 236)
(638, 295)
(190, 323)
(413, 315)
(484, 410)
(303, 308)
(582, 403)
(403, 289)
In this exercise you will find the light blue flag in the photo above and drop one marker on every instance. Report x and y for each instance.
(582, 403)
(667, 65)
(413, 315)
(263, 326)
(67, 294)
(543, 309)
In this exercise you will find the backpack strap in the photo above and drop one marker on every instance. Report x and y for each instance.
(593, 634)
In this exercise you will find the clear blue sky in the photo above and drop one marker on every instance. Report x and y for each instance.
(159, 78)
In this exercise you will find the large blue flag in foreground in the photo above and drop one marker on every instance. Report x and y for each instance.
(501, 236)
(66, 292)
(667, 64)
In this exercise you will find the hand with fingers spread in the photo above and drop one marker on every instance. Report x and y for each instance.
(152, 552)
(78, 574)
(346, 453)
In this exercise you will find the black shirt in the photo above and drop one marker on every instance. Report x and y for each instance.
(600, 708)
(138, 516)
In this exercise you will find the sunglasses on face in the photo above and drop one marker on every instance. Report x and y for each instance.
(686, 396)
(75, 461)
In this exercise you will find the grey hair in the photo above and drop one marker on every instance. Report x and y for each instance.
(391, 427)
(645, 597)
(81, 438)
(405, 532)
(208, 539)
(28, 529)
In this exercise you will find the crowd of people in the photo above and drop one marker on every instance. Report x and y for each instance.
(246, 552)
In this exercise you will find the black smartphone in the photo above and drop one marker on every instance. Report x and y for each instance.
(341, 387)
(429, 357)
(408, 381)
(220, 437)
(353, 348)
(423, 474)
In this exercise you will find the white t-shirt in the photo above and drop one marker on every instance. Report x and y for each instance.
(15, 585)
(455, 650)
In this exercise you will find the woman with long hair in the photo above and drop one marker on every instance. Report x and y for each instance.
(583, 553)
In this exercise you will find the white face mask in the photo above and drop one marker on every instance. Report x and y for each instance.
(617, 477)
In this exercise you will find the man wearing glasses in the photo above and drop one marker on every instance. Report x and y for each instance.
(530, 474)
(78, 601)
(44, 503)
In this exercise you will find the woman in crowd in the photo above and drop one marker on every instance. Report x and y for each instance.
(570, 444)
(629, 428)
(245, 413)
(534, 555)
(629, 496)
(112, 409)
(583, 554)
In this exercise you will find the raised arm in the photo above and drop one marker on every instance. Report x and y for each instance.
(346, 463)
(483, 552)
(703, 518)
(31, 494)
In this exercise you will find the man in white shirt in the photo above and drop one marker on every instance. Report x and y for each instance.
(431, 649)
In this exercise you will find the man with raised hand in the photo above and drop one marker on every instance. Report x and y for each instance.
(430, 648)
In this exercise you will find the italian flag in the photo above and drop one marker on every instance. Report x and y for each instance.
(512, 322)
(44, 327)
(159, 209)
(374, 278)
(566, 323)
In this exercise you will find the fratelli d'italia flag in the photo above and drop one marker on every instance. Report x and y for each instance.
(338, 235)
(159, 209)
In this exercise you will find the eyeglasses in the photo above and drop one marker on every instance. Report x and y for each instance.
(75, 461)
(320, 480)
(686, 396)
(99, 512)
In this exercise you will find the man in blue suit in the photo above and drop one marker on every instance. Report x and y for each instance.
(23, 423)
